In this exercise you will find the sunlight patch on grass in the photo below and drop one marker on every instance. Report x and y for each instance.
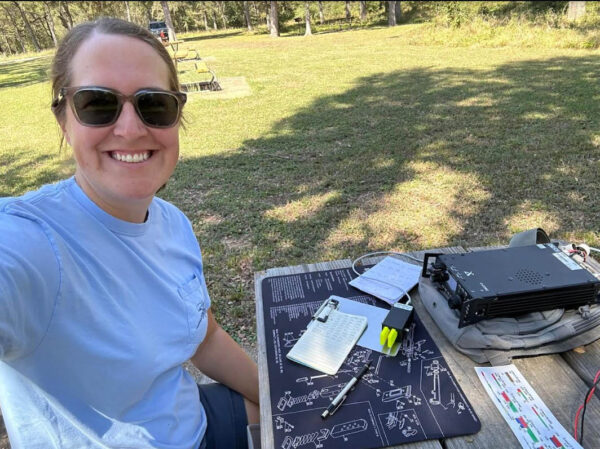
(531, 214)
(482, 100)
(422, 211)
(537, 115)
(380, 162)
(303, 208)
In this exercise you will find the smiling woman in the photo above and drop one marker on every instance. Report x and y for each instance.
(102, 290)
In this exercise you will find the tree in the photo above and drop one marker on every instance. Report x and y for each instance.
(576, 10)
(363, 11)
(13, 21)
(221, 8)
(32, 35)
(348, 14)
(398, 11)
(321, 15)
(274, 19)
(308, 31)
(247, 15)
(268, 15)
(128, 12)
(214, 20)
(66, 18)
(168, 21)
(391, 14)
(50, 21)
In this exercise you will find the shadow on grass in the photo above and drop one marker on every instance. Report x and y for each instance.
(24, 170)
(398, 161)
(205, 37)
(482, 150)
(21, 73)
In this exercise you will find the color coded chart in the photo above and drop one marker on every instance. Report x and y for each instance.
(531, 421)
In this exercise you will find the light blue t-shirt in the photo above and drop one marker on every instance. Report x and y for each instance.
(97, 316)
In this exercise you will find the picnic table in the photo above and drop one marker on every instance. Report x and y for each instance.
(561, 380)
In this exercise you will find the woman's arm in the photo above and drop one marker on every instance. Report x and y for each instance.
(223, 360)
(29, 284)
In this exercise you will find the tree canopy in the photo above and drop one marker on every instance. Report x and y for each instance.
(33, 26)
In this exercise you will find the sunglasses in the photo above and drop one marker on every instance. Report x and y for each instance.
(100, 106)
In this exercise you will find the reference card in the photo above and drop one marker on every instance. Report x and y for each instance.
(531, 421)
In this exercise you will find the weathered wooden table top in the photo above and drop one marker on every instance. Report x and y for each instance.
(561, 380)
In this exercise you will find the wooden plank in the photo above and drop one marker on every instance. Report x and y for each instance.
(266, 423)
(585, 361)
(562, 390)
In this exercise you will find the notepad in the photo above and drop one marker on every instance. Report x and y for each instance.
(328, 339)
(389, 280)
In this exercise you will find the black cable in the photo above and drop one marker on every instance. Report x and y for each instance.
(584, 407)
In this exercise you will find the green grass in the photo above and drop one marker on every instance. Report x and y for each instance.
(353, 142)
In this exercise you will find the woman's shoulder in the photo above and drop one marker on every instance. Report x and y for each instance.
(169, 211)
(173, 218)
(26, 203)
(24, 219)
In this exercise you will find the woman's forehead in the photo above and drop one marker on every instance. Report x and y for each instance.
(109, 58)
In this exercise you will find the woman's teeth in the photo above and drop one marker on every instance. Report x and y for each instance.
(133, 158)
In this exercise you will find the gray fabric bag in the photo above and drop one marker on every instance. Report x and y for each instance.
(498, 340)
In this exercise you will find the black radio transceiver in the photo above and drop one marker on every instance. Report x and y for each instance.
(511, 281)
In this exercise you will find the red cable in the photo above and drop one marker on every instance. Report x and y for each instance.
(589, 397)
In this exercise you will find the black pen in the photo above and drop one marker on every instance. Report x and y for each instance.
(344, 393)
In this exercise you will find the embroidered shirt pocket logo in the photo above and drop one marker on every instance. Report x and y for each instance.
(194, 298)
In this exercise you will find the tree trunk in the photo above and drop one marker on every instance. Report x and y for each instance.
(274, 19)
(32, 35)
(128, 12)
(398, 11)
(391, 14)
(68, 16)
(222, 12)
(348, 14)
(308, 31)
(321, 15)
(247, 16)
(20, 39)
(168, 21)
(363, 11)
(214, 17)
(205, 20)
(576, 10)
(50, 22)
(8, 47)
(148, 9)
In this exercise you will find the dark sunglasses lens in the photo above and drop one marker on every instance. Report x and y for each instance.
(95, 107)
(158, 109)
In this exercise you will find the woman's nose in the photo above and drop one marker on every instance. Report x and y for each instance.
(129, 124)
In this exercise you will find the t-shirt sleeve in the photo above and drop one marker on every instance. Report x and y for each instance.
(29, 284)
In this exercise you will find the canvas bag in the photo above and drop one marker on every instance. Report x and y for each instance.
(498, 340)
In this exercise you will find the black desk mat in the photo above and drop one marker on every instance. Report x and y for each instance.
(411, 397)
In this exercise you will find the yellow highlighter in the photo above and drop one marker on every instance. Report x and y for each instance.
(384, 335)
(395, 325)
(392, 338)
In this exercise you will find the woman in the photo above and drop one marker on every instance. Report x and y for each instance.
(102, 293)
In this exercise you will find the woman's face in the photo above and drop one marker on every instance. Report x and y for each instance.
(123, 189)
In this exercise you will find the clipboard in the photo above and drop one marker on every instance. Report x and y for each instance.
(328, 339)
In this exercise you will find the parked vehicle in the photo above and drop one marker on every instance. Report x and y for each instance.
(159, 29)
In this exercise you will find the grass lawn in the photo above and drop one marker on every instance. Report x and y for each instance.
(351, 142)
